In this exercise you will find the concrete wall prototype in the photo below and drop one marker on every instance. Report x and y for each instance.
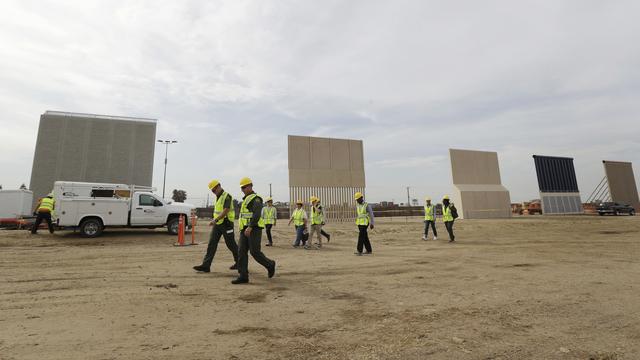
(332, 169)
(92, 148)
(622, 183)
(478, 190)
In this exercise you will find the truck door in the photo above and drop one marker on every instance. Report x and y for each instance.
(147, 210)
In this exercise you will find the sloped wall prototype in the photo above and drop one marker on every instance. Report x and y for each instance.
(478, 190)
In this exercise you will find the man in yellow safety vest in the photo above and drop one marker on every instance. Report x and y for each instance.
(317, 221)
(251, 225)
(429, 219)
(270, 217)
(299, 219)
(45, 208)
(222, 226)
(448, 211)
(364, 220)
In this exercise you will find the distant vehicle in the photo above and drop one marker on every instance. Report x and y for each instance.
(91, 207)
(614, 208)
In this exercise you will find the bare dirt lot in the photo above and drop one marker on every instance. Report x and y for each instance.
(526, 288)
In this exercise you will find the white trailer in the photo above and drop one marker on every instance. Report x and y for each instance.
(91, 207)
(15, 204)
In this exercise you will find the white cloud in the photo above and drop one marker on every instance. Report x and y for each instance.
(230, 79)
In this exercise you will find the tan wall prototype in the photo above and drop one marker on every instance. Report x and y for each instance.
(622, 183)
(478, 191)
(332, 169)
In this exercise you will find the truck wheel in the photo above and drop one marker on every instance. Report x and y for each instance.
(172, 226)
(632, 212)
(91, 228)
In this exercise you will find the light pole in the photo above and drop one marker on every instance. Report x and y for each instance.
(166, 153)
(270, 194)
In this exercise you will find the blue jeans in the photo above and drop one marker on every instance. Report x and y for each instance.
(299, 235)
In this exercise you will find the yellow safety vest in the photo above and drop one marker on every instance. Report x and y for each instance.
(429, 212)
(246, 215)
(298, 217)
(269, 215)
(231, 215)
(362, 217)
(446, 214)
(317, 217)
(46, 205)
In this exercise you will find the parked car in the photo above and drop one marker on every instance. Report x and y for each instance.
(614, 208)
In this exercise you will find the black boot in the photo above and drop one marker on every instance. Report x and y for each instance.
(202, 268)
(240, 280)
(272, 269)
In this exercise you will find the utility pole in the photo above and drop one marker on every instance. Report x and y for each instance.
(270, 194)
(166, 154)
(408, 197)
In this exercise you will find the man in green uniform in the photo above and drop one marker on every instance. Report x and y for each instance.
(222, 226)
(251, 225)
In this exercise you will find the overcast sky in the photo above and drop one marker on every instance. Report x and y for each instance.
(230, 79)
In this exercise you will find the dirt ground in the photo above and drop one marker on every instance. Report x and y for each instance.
(525, 288)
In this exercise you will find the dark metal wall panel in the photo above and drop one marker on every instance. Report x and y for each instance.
(555, 174)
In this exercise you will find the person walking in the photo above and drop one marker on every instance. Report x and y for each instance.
(429, 219)
(299, 219)
(224, 215)
(43, 211)
(317, 221)
(251, 225)
(364, 220)
(270, 217)
(448, 212)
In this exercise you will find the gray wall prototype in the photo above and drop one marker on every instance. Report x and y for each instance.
(622, 183)
(332, 169)
(92, 148)
(478, 191)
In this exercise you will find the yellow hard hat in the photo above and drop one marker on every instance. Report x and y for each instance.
(50, 195)
(358, 195)
(446, 197)
(269, 199)
(213, 184)
(300, 202)
(427, 199)
(314, 198)
(245, 181)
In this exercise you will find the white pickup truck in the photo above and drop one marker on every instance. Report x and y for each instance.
(91, 207)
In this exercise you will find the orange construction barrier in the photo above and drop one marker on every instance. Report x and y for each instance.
(181, 231)
(194, 222)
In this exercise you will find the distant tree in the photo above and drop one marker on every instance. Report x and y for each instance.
(415, 202)
(179, 195)
(0, 186)
(23, 187)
